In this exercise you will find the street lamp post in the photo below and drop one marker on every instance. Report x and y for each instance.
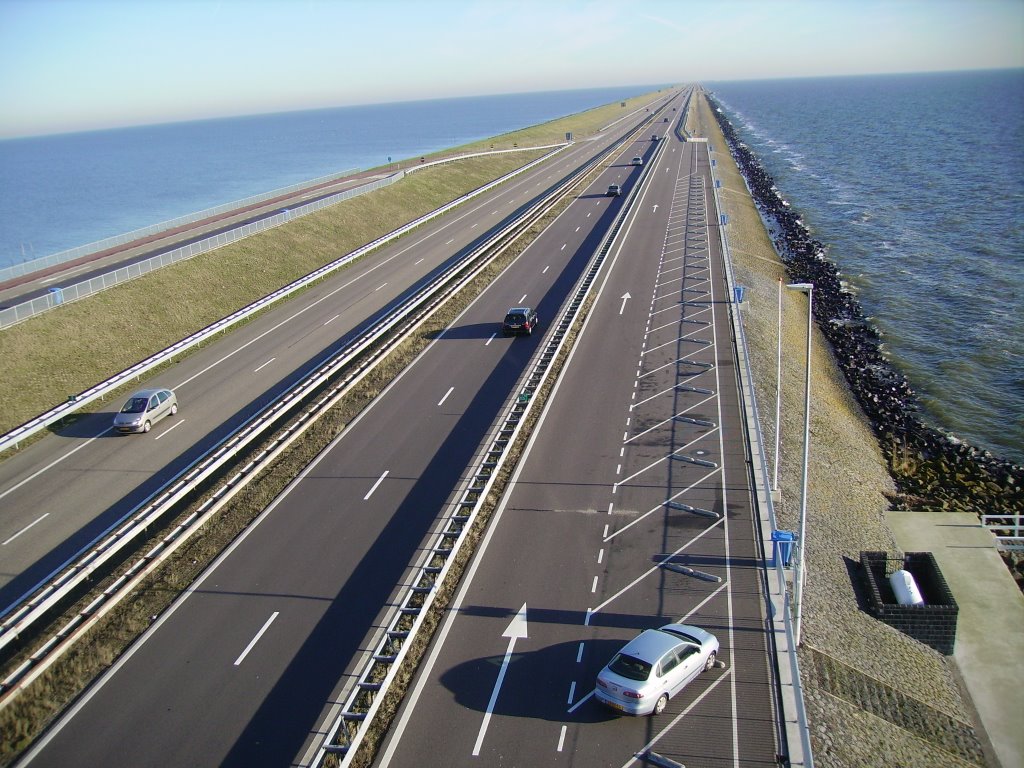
(778, 391)
(807, 288)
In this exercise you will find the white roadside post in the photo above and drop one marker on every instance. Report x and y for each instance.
(807, 288)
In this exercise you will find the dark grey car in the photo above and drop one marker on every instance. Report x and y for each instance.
(144, 409)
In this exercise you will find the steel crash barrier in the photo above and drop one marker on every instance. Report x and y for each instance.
(58, 296)
(363, 698)
(796, 732)
(356, 360)
(77, 401)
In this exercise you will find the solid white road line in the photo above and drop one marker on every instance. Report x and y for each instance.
(256, 639)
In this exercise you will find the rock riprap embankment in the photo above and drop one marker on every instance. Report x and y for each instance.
(932, 470)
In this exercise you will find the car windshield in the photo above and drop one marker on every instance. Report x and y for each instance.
(135, 405)
(629, 666)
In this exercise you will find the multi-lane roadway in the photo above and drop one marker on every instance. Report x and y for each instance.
(631, 509)
(248, 667)
(61, 493)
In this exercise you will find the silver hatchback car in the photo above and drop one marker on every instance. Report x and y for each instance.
(144, 409)
(654, 666)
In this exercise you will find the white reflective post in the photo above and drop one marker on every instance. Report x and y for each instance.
(807, 288)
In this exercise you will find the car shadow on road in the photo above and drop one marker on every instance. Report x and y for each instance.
(472, 682)
(469, 331)
(85, 425)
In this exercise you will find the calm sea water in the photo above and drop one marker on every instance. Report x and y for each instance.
(916, 184)
(58, 192)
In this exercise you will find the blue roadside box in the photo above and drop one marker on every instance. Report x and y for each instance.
(782, 547)
(740, 291)
(56, 294)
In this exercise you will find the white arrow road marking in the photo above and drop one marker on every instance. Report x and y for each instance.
(655, 208)
(515, 630)
(625, 297)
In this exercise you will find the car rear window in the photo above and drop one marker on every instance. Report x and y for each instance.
(515, 318)
(631, 667)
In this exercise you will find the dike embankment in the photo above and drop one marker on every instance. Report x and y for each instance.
(874, 696)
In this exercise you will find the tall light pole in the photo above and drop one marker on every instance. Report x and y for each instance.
(778, 392)
(807, 288)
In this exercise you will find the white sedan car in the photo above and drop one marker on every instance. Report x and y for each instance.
(654, 666)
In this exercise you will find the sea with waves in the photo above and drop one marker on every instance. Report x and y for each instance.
(67, 190)
(915, 183)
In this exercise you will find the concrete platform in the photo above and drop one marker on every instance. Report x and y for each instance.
(989, 647)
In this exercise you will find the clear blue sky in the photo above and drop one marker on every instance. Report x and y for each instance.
(68, 65)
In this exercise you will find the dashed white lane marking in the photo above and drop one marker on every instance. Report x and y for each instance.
(579, 654)
(524, 298)
(441, 401)
(168, 430)
(448, 243)
(332, 319)
(37, 520)
(490, 339)
(600, 556)
(545, 270)
(256, 639)
(380, 480)
(420, 260)
(593, 587)
(572, 692)
(257, 370)
(379, 287)
(561, 739)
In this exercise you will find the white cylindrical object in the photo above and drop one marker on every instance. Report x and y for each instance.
(905, 587)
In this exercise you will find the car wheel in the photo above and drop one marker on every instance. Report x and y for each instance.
(660, 704)
(146, 427)
(710, 662)
(174, 409)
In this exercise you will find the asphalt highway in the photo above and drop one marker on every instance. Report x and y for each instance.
(247, 666)
(61, 493)
(636, 473)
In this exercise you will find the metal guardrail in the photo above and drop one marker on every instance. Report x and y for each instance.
(395, 327)
(798, 735)
(364, 697)
(42, 262)
(1008, 530)
(77, 401)
(58, 296)
(118, 538)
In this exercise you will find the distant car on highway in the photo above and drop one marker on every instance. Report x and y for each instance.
(519, 320)
(144, 409)
(654, 137)
(654, 666)
(637, 161)
(614, 190)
